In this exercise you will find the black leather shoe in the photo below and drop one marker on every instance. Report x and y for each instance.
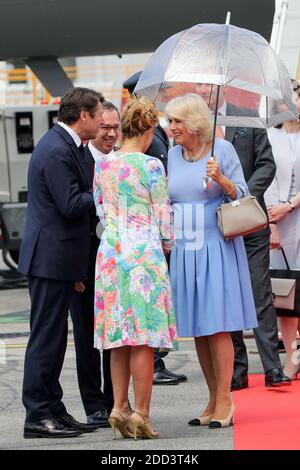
(70, 423)
(238, 383)
(99, 419)
(48, 428)
(172, 375)
(160, 378)
(276, 378)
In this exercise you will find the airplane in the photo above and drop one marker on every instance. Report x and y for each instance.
(41, 31)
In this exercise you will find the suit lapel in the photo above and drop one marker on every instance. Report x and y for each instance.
(80, 157)
(89, 162)
(230, 133)
(161, 134)
(160, 137)
(76, 152)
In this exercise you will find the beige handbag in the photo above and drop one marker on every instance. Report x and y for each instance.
(241, 217)
(284, 291)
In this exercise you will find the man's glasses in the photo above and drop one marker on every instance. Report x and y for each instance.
(107, 129)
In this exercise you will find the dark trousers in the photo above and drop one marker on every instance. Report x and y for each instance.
(42, 393)
(88, 359)
(266, 334)
(158, 360)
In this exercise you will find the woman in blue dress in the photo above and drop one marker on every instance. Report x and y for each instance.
(210, 277)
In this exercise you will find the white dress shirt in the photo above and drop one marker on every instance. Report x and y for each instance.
(72, 133)
(97, 154)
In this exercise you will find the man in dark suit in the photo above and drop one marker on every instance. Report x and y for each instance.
(255, 153)
(97, 403)
(55, 255)
(159, 148)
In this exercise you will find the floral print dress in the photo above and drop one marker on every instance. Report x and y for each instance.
(133, 304)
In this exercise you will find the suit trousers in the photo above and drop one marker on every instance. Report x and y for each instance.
(50, 302)
(88, 359)
(158, 360)
(266, 334)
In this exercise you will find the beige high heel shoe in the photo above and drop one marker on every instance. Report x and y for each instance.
(201, 421)
(142, 428)
(120, 422)
(223, 423)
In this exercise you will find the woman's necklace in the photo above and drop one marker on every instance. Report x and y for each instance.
(197, 156)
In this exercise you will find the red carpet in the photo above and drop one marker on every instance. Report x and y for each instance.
(267, 419)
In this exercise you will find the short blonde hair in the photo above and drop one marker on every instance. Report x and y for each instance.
(194, 112)
(138, 116)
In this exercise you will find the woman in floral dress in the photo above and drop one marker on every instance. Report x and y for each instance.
(133, 307)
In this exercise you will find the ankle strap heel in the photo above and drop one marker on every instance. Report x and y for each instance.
(144, 427)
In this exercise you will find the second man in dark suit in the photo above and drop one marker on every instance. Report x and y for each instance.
(97, 403)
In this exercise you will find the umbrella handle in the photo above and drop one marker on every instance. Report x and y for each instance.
(207, 182)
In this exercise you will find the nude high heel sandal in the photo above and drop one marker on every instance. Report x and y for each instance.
(292, 374)
(142, 428)
(120, 422)
(223, 423)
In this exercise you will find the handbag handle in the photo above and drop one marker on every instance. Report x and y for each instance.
(238, 187)
(285, 259)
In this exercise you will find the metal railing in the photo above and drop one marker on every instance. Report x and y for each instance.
(22, 87)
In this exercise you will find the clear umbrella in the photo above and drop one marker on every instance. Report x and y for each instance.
(222, 61)
(240, 61)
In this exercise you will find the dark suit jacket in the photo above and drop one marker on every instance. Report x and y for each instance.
(255, 153)
(56, 240)
(159, 146)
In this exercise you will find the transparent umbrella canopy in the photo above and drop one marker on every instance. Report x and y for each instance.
(240, 63)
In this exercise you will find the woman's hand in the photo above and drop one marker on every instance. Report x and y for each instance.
(213, 170)
(79, 287)
(278, 212)
(275, 243)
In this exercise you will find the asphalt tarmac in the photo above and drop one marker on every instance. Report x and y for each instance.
(172, 405)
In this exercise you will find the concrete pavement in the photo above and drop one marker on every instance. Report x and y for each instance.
(172, 406)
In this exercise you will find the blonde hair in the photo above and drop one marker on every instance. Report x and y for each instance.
(138, 116)
(194, 112)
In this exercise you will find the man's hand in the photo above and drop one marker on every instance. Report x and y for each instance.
(79, 287)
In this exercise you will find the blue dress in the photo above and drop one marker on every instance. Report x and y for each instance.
(210, 278)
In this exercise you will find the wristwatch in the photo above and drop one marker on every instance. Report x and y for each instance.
(291, 206)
